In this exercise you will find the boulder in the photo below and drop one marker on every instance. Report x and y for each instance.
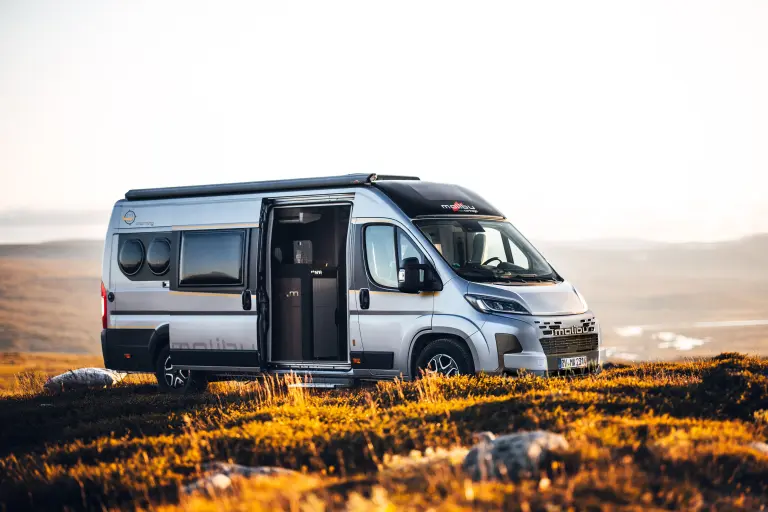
(512, 456)
(83, 378)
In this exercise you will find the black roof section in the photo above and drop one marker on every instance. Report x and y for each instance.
(422, 198)
(251, 187)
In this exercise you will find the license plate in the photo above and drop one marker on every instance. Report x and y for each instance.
(567, 363)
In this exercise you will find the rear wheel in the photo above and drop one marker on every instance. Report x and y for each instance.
(447, 357)
(176, 380)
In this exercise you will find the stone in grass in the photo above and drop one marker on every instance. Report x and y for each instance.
(760, 447)
(512, 456)
(220, 473)
(83, 378)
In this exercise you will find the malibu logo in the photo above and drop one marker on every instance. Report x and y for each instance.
(459, 207)
(569, 331)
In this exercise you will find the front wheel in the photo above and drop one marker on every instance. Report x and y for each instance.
(446, 357)
(176, 380)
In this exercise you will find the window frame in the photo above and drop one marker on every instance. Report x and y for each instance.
(245, 236)
(396, 230)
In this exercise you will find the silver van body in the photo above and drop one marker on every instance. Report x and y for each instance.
(311, 276)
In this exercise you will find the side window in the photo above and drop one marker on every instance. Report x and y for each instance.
(380, 255)
(386, 248)
(407, 248)
(159, 256)
(212, 258)
(131, 256)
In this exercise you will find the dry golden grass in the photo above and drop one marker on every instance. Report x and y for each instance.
(25, 373)
(649, 436)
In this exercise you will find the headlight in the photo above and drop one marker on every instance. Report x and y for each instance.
(493, 305)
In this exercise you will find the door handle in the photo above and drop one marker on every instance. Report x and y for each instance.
(365, 298)
(246, 298)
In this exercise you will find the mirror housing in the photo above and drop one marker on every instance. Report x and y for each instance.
(409, 277)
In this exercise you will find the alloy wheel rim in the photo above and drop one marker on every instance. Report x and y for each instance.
(443, 364)
(175, 378)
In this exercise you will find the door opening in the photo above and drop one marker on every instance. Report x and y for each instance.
(308, 275)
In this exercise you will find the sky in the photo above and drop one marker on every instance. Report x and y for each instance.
(578, 120)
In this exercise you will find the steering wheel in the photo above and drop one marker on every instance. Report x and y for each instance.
(491, 259)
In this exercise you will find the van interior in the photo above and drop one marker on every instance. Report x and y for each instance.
(308, 276)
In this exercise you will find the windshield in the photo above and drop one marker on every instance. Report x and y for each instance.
(486, 250)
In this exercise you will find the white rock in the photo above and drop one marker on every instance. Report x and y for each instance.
(247, 471)
(513, 455)
(84, 378)
(760, 447)
(220, 473)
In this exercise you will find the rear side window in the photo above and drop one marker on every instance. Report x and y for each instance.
(212, 258)
(131, 256)
(159, 256)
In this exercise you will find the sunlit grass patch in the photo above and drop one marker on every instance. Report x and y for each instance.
(662, 435)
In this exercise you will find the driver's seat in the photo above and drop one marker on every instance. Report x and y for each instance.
(478, 247)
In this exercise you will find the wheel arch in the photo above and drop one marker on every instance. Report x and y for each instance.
(160, 338)
(424, 338)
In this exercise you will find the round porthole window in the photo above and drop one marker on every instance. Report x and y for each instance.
(159, 256)
(131, 257)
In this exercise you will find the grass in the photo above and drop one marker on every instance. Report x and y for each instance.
(647, 436)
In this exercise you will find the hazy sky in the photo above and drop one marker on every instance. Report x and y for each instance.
(577, 119)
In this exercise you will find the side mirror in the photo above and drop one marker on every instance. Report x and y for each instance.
(408, 277)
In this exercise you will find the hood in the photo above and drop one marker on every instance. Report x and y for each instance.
(539, 298)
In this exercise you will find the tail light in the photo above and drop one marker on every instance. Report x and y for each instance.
(103, 306)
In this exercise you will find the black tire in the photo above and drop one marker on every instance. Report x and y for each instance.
(455, 360)
(176, 381)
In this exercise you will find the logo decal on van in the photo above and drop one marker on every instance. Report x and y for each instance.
(129, 217)
(458, 206)
(567, 331)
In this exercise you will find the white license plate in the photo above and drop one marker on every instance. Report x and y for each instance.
(567, 363)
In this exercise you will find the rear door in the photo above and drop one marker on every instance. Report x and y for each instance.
(214, 321)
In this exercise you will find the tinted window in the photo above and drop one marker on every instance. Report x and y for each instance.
(210, 258)
(159, 256)
(131, 256)
(380, 255)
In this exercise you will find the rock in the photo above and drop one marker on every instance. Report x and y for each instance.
(248, 471)
(210, 483)
(83, 378)
(220, 473)
(760, 447)
(512, 456)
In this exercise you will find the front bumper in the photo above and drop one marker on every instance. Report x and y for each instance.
(539, 363)
(531, 332)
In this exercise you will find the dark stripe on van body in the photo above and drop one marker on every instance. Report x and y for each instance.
(239, 358)
(371, 312)
(368, 360)
(184, 313)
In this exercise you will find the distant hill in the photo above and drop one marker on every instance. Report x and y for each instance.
(49, 294)
(72, 249)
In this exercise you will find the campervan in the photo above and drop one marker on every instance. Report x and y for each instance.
(340, 279)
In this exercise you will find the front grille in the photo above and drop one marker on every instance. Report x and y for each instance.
(570, 344)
